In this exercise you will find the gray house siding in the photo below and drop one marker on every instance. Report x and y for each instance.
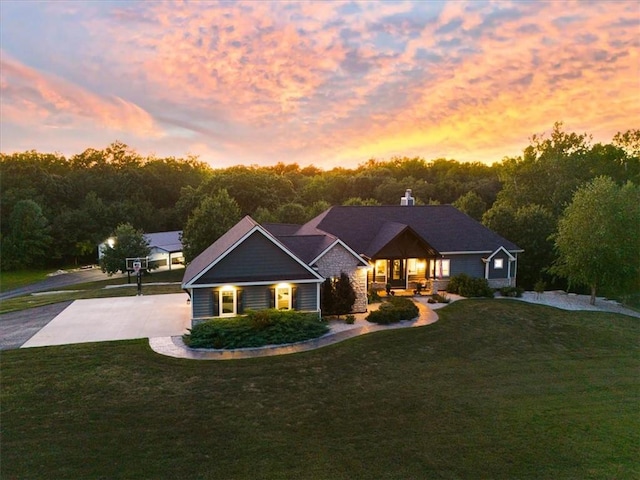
(307, 297)
(202, 302)
(257, 259)
(257, 297)
(471, 264)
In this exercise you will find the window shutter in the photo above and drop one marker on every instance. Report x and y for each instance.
(294, 298)
(272, 297)
(239, 301)
(216, 304)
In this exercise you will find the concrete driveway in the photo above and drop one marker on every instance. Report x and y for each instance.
(121, 318)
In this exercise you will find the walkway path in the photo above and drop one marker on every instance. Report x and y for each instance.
(174, 346)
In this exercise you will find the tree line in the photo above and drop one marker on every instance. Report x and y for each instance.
(56, 210)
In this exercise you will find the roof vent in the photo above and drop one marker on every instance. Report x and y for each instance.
(407, 200)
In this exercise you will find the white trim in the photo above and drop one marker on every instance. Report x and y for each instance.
(257, 284)
(239, 242)
(511, 257)
(234, 311)
(339, 242)
(289, 290)
(479, 252)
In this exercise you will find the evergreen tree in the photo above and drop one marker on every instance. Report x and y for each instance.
(345, 295)
(327, 297)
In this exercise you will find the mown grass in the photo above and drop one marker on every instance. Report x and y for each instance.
(98, 290)
(17, 279)
(496, 389)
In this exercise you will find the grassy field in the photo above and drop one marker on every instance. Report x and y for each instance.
(496, 389)
(98, 290)
(13, 280)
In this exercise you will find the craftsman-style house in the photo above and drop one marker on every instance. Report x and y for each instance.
(282, 266)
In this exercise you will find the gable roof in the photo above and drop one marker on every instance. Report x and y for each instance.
(230, 241)
(167, 241)
(443, 227)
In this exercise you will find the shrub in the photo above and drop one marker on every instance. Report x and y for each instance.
(467, 286)
(256, 329)
(350, 319)
(338, 296)
(437, 298)
(373, 296)
(539, 286)
(395, 309)
(511, 292)
(345, 295)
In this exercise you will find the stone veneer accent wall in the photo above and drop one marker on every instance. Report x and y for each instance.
(338, 260)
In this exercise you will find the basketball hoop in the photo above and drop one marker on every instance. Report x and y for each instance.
(137, 266)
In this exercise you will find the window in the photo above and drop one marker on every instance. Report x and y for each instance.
(498, 263)
(381, 268)
(283, 297)
(412, 266)
(227, 302)
(442, 268)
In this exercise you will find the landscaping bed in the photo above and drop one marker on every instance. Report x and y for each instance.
(256, 329)
(393, 310)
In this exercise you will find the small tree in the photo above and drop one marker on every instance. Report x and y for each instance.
(344, 295)
(338, 296)
(327, 297)
(598, 239)
(129, 243)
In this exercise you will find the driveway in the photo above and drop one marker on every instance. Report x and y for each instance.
(122, 318)
(59, 280)
(18, 327)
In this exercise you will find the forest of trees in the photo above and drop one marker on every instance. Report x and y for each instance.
(56, 210)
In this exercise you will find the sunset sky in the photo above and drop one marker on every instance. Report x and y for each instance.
(322, 83)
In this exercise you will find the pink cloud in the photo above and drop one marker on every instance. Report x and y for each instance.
(30, 97)
(307, 81)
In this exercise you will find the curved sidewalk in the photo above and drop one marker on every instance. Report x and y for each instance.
(340, 331)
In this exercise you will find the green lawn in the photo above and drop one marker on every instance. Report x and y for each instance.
(20, 278)
(496, 389)
(98, 290)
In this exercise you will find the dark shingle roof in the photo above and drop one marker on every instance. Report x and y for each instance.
(443, 227)
(218, 247)
(279, 229)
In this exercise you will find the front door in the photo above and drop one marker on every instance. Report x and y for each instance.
(397, 273)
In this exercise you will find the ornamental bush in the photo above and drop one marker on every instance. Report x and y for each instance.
(467, 286)
(395, 309)
(256, 329)
(511, 292)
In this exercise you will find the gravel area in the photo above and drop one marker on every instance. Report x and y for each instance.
(573, 301)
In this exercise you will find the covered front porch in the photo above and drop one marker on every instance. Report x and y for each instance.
(415, 275)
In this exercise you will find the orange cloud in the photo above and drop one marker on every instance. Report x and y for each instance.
(336, 82)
